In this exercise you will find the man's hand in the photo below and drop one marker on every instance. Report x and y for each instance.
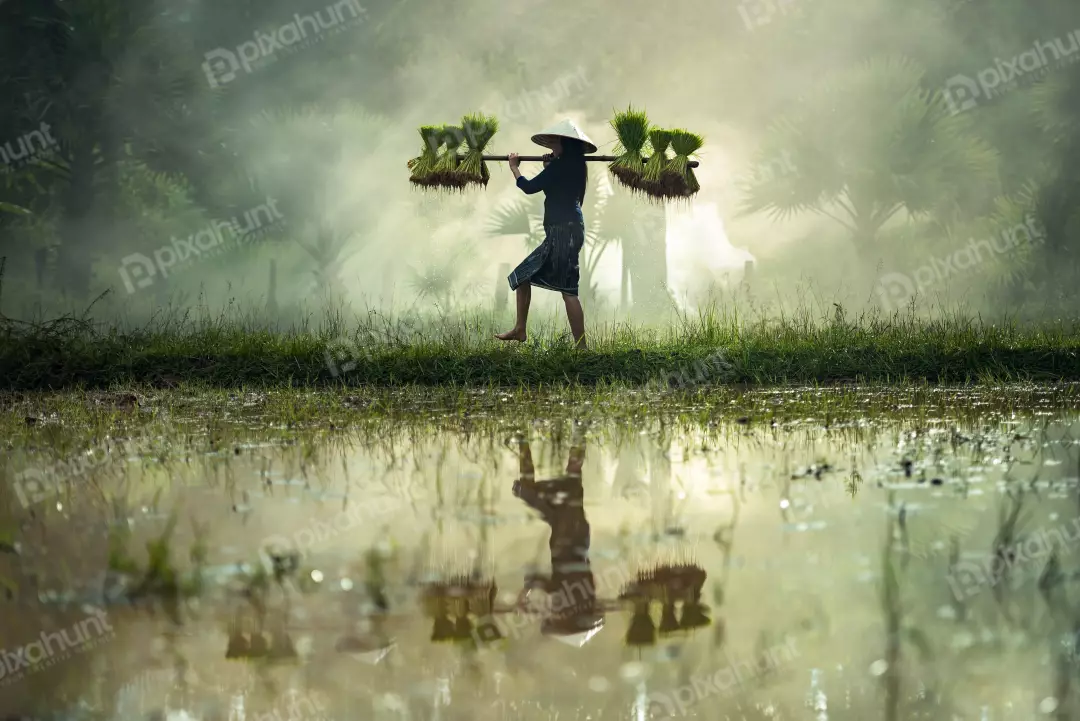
(515, 161)
(548, 158)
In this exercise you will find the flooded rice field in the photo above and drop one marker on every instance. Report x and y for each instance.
(773, 554)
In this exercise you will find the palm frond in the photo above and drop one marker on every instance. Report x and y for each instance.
(511, 218)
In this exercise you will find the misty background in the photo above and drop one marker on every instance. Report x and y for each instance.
(187, 153)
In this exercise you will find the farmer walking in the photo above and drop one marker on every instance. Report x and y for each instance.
(554, 264)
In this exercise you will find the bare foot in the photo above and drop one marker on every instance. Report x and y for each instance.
(518, 335)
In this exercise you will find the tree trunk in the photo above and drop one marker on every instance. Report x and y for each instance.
(502, 289)
(271, 293)
(624, 286)
(77, 237)
(645, 252)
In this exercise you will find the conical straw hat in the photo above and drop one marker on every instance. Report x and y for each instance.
(566, 128)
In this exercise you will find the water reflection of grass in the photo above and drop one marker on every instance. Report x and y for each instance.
(237, 352)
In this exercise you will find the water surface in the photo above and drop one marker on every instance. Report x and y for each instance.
(795, 554)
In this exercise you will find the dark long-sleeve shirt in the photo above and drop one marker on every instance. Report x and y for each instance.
(564, 191)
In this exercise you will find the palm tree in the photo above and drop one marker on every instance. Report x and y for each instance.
(329, 249)
(869, 144)
(85, 69)
(304, 157)
(436, 283)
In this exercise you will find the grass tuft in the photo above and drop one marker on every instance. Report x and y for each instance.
(712, 349)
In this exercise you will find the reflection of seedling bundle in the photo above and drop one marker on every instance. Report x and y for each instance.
(254, 642)
(454, 603)
(669, 586)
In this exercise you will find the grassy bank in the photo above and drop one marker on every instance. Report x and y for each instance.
(710, 349)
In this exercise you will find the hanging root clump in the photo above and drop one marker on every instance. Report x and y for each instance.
(683, 182)
(632, 128)
(657, 168)
(423, 166)
(446, 173)
(479, 130)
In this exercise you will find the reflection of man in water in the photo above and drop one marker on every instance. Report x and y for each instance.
(570, 587)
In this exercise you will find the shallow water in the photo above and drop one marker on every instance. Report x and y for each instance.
(833, 565)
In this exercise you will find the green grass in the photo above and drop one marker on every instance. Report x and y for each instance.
(712, 349)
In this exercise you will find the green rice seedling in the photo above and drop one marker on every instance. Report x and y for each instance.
(632, 127)
(479, 130)
(423, 165)
(657, 165)
(446, 173)
(682, 181)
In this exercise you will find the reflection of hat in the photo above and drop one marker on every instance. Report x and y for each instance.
(369, 650)
(573, 630)
(566, 128)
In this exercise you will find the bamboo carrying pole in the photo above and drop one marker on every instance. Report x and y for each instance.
(593, 158)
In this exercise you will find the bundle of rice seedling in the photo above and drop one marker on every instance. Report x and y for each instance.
(632, 127)
(446, 173)
(479, 129)
(657, 166)
(423, 165)
(683, 183)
